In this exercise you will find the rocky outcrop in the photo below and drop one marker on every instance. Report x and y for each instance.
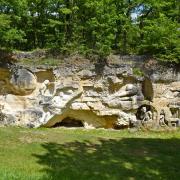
(100, 95)
(22, 81)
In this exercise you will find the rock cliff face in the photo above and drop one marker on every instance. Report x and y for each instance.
(93, 95)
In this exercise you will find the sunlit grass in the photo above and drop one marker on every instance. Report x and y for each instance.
(88, 154)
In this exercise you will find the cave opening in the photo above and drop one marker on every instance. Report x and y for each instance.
(69, 123)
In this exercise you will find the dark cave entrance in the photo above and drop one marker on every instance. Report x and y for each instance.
(69, 123)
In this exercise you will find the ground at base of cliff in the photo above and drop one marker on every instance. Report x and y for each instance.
(32, 154)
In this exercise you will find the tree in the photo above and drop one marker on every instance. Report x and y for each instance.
(99, 27)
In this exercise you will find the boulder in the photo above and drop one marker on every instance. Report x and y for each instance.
(23, 82)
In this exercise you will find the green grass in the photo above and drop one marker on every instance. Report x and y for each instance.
(32, 154)
(42, 61)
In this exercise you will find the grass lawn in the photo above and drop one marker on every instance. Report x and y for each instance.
(88, 154)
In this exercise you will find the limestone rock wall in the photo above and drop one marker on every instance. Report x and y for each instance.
(99, 95)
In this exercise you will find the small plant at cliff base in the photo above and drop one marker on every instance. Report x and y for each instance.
(138, 72)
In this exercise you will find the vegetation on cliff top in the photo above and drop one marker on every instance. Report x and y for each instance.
(97, 27)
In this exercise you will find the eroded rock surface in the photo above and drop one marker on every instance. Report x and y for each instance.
(100, 96)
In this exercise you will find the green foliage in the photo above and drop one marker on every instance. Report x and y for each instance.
(13, 36)
(161, 38)
(138, 72)
(99, 26)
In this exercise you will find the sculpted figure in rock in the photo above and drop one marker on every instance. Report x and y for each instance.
(162, 120)
(43, 88)
(145, 115)
(127, 94)
(130, 92)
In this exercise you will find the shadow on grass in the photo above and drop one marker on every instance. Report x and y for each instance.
(128, 158)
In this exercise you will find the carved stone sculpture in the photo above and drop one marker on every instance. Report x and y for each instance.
(145, 115)
(162, 118)
(43, 88)
(127, 97)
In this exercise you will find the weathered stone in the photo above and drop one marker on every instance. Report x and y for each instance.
(107, 99)
(23, 81)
